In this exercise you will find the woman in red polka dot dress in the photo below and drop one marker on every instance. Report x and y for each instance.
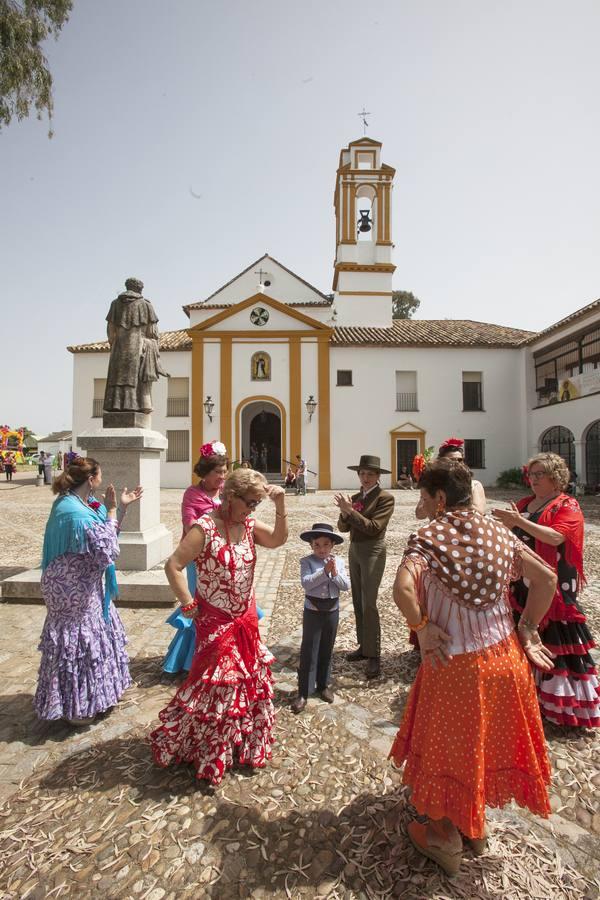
(471, 735)
(551, 523)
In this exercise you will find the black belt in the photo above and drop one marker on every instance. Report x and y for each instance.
(323, 604)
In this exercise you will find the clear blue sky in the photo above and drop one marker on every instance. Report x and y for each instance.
(489, 112)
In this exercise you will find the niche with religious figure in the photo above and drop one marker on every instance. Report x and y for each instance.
(260, 366)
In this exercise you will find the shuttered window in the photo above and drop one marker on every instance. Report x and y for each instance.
(475, 453)
(177, 399)
(178, 449)
(98, 403)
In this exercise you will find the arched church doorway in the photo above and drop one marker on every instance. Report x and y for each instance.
(261, 428)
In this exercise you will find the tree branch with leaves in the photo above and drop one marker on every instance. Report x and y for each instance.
(404, 304)
(25, 78)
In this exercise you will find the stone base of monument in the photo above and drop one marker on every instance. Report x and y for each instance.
(136, 589)
(128, 457)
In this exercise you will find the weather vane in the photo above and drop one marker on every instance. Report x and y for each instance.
(363, 116)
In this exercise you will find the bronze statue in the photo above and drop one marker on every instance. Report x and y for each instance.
(134, 356)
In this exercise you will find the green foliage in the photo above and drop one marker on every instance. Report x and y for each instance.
(404, 304)
(25, 79)
(510, 478)
(428, 454)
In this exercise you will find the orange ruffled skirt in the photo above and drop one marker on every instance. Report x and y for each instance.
(471, 736)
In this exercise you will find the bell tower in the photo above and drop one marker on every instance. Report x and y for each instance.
(363, 270)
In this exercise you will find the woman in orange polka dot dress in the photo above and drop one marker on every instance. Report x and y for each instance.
(471, 735)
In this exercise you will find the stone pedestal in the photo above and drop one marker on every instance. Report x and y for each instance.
(128, 457)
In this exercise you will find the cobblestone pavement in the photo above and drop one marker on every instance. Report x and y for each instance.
(87, 814)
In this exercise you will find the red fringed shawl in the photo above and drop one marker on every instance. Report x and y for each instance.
(564, 515)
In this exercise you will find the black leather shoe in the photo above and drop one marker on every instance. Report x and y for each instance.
(298, 705)
(373, 667)
(327, 695)
(355, 655)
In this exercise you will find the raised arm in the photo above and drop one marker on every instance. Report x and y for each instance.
(276, 536)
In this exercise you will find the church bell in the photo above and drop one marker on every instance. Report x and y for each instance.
(365, 221)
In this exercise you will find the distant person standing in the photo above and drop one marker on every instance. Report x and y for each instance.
(41, 459)
(9, 466)
(301, 475)
(48, 468)
(59, 460)
(264, 457)
(254, 456)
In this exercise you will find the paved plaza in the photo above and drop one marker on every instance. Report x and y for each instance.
(86, 813)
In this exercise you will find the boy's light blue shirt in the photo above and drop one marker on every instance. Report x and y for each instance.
(317, 583)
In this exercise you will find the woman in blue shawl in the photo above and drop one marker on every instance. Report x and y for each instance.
(84, 668)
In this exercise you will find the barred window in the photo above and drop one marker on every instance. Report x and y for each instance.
(178, 449)
(177, 398)
(475, 453)
(344, 377)
(98, 403)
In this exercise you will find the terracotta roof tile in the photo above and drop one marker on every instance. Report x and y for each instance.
(168, 340)
(432, 333)
(403, 332)
(578, 314)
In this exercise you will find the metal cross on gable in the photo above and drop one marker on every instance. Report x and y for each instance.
(363, 116)
(261, 275)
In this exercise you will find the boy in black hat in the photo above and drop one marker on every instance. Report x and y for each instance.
(323, 576)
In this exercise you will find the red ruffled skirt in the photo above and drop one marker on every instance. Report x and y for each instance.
(471, 736)
(224, 711)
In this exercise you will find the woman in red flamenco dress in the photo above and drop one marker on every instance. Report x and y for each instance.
(223, 713)
(551, 523)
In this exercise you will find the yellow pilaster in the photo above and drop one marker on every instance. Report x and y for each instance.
(225, 412)
(324, 413)
(295, 389)
(197, 396)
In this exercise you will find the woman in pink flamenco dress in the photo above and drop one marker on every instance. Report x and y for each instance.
(223, 713)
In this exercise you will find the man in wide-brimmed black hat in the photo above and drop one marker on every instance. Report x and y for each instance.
(366, 515)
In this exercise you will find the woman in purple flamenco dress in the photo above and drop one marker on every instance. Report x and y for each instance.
(84, 668)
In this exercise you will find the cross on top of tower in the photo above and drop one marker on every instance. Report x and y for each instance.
(260, 274)
(363, 116)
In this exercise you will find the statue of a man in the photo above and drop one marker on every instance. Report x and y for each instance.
(134, 357)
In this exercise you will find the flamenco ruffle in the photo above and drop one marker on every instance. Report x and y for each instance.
(180, 651)
(570, 701)
(84, 668)
(211, 724)
(435, 795)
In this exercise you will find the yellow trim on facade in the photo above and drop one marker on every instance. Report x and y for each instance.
(396, 434)
(295, 395)
(324, 415)
(226, 391)
(264, 337)
(197, 399)
(262, 300)
(261, 398)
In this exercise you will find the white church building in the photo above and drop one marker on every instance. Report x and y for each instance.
(268, 359)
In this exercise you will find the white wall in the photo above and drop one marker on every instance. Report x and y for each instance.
(87, 366)
(364, 415)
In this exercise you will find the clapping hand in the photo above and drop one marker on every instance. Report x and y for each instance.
(330, 567)
(128, 496)
(432, 644)
(537, 654)
(509, 517)
(344, 503)
(110, 498)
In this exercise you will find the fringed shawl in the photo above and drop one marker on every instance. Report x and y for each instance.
(67, 532)
(469, 553)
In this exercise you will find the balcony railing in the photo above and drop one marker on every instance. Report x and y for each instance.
(406, 402)
(177, 406)
(97, 408)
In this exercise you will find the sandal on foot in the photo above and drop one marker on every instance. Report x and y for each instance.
(449, 862)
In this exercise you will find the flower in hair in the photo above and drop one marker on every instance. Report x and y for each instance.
(214, 448)
(454, 442)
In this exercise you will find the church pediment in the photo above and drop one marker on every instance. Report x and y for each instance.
(259, 315)
(266, 273)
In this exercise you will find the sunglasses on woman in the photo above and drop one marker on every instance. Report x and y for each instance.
(251, 504)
